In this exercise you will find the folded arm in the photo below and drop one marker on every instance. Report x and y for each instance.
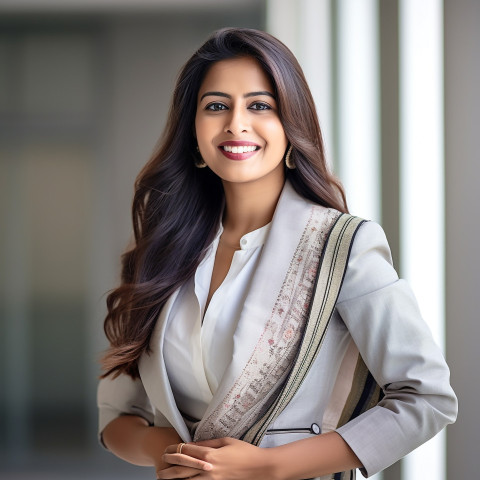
(131, 438)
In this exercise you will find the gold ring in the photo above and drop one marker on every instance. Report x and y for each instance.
(179, 447)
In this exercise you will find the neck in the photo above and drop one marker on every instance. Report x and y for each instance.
(249, 206)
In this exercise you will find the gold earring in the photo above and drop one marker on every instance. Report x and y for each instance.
(289, 162)
(199, 161)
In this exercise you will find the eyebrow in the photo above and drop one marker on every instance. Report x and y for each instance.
(226, 95)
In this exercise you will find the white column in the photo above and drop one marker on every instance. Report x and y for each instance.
(358, 102)
(282, 21)
(421, 185)
(315, 56)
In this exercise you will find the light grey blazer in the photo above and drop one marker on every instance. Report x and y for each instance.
(376, 313)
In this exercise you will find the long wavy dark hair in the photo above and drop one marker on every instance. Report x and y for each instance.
(177, 207)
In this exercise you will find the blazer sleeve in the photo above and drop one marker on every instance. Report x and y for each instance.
(383, 318)
(124, 396)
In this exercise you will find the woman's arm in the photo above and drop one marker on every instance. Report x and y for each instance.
(383, 318)
(313, 457)
(132, 439)
(125, 419)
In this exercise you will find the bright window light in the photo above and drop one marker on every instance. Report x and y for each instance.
(358, 96)
(421, 185)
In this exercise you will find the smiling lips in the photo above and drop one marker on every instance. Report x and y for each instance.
(238, 150)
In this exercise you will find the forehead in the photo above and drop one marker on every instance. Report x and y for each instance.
(243, 74)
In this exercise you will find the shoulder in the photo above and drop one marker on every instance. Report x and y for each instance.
(370, 265)
(370, 237)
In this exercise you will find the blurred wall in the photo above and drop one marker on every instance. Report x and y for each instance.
(83, 100)
(462, 174)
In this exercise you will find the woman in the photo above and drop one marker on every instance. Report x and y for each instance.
(230, 219)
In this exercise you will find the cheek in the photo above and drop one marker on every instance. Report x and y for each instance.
(204, 131)
(275, 134)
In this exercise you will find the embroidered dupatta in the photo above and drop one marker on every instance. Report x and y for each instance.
(271, 360)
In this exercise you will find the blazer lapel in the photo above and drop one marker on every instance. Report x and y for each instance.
(154, 375)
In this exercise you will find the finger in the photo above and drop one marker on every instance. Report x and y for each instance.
(190, 449)
(186, 461)
(172, 448)
(176, 472)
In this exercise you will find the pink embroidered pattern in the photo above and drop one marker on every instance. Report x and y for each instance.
(273, 355)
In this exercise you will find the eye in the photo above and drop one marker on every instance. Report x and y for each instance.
(260, 106)
(216, 107)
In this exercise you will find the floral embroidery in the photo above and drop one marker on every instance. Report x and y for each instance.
(272, 357)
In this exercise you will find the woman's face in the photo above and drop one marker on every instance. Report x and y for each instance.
(238, 130)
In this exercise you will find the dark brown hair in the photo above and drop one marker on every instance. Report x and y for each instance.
(177, 207)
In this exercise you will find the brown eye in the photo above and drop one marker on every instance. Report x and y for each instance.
(260, 106)
(216, 107)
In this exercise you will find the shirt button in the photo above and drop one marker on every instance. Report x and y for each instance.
(243, 241)
(315, 429)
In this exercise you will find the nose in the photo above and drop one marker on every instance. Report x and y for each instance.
(237, 121)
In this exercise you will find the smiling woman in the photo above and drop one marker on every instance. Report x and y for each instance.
(221, 365)
(239, 133)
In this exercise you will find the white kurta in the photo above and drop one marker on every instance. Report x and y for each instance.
(196, 361)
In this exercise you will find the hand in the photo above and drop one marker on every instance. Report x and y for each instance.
(219, 459)
(183, 465)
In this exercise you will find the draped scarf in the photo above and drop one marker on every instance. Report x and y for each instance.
(258, 384)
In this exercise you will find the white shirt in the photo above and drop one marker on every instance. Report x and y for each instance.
(196, 354)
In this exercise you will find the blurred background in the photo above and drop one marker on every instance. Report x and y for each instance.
(84, 92)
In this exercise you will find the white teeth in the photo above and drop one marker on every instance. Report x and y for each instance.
(239, 149)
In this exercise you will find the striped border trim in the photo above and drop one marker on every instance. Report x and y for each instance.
(364, 394)
(343, 475)
(331, 272)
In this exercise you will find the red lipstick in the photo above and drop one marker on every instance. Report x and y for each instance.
(238, 149)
